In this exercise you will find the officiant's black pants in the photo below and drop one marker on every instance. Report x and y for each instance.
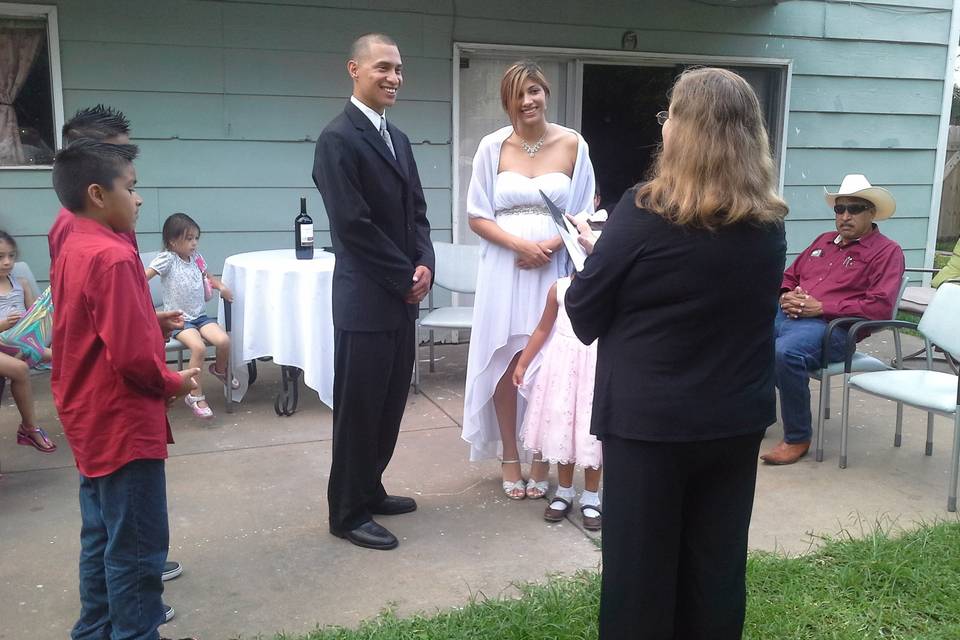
(675, 521)
(370, 385)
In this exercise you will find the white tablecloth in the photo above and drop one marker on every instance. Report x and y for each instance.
(282, 307)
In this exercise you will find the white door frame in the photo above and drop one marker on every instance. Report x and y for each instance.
(575, 87)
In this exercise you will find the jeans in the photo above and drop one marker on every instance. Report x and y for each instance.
(123, 546)
(799, 347)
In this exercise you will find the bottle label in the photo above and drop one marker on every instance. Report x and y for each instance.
(306, 235)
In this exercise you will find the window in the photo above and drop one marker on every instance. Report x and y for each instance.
(31, 111)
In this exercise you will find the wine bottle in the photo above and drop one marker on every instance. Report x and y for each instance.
(303, 243)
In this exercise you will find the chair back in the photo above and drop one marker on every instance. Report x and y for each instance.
(941, 321)
(22, 270)
(457, 266)
(156, 290)
(904, 281)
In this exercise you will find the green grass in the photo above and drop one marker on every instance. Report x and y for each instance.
(875, 586)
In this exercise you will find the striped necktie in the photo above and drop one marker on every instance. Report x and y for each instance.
(386, 136)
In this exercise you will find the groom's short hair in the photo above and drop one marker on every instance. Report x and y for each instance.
(361, 46)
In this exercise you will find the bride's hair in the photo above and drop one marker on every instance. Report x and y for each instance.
(512, 84)
(716, 169)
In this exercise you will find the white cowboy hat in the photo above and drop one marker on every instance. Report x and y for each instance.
(857, 186)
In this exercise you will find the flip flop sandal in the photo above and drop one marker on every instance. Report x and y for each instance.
(556, 515)
(591, 523)
(25, 437)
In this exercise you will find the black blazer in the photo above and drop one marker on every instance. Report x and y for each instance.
(685, 326)
(378, 221)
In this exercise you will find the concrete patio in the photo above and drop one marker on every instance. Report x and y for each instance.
(248, 513)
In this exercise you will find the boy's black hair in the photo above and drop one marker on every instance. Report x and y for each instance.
(175, 227)
(6, 237)
(98, 123)
(84, 162)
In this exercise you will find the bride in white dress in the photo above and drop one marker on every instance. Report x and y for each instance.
(521, 257)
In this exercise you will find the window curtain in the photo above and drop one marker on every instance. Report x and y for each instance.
(19, 44)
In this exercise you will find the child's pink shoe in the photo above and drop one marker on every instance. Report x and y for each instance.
(28, 436)
(193, 402)
(222, 377)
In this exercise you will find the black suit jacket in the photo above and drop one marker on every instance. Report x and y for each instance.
(684, 319)
(378, 221)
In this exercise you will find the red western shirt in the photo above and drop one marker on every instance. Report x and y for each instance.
(861, 278)
(62, 227)
(110, 381)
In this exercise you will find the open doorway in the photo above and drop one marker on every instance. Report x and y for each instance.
(618, 117)
(618, 121)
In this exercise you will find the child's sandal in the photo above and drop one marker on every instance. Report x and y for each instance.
(516, 489)
(591, 523)
(193, 402)
(222, 377)
(556, 515)
(25, 436)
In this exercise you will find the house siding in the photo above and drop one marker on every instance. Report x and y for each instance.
(227, 98)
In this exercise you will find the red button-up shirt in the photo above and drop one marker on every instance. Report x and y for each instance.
(861, 278)
(110, 380)
(62, 227)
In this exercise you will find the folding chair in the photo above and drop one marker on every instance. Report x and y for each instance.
(932, 391)
(456, 270)
(860, 362)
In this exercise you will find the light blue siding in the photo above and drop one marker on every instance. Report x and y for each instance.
(227, 98)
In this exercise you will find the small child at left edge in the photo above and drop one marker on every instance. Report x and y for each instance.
(111, 388)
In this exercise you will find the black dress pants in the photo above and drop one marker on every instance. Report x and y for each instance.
(370, 385)
(675, 521)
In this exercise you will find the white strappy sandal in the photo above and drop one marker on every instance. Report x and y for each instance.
(516, 489)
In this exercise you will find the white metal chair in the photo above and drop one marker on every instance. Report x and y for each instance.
(456, 271)
(860, 363)
(915, 301)
(175, 346)
(932, 391)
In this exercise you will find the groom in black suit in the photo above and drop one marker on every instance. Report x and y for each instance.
(365, 171)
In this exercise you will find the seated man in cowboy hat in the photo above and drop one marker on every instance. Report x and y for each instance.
(853, 271)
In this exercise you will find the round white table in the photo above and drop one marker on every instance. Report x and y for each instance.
(282, 308)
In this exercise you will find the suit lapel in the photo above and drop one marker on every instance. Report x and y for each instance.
(373, 138)
(401, 157)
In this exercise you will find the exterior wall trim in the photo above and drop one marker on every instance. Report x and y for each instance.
(626, 57)
(933, 222)
(56, 83)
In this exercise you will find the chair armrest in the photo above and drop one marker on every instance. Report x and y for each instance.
(895, 325)
(831, 327)
(921, 270)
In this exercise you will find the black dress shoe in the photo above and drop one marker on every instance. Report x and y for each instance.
(394, 506)
(369, 535)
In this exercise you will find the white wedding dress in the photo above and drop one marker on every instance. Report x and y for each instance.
(509, 300)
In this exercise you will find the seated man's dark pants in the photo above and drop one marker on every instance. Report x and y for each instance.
(799, 346)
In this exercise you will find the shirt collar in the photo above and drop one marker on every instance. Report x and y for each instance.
(84, 224)
(866, 240)
(373, 116)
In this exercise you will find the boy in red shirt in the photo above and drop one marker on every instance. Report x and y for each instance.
(111, 388)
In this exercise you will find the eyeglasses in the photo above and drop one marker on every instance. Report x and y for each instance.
(662, 117)
(852, 209)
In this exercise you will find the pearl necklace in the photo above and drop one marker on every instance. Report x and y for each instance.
(532, 149)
